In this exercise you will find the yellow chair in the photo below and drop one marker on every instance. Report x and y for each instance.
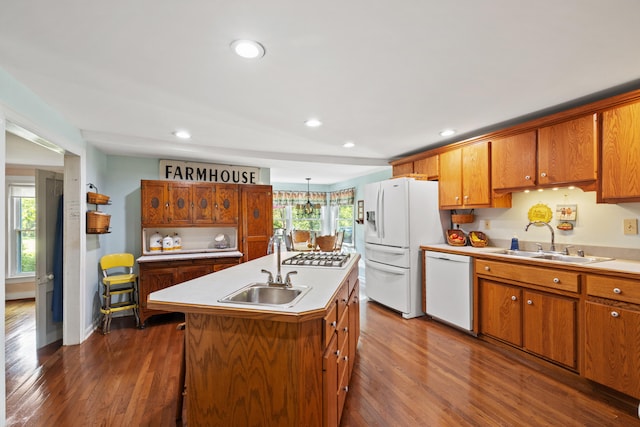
(121, 282)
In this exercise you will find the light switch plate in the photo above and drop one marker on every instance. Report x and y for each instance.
(631, 226)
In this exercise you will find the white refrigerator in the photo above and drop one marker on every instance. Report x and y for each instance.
(400, 215)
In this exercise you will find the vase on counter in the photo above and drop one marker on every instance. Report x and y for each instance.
(177, 242)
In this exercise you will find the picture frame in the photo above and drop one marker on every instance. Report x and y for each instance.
(360, 212)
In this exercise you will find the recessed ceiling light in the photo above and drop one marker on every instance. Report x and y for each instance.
(447, 132)
(349, 144)
(248, 49)
(182, 134)
(313, 123)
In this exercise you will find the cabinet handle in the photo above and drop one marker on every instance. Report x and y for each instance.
(543, 174)
(529, 302)
(615, 314)
(345, 329)
(457, 198)
(466, 197)
(487, 268)
(334, 324)
(514, 298)
(344, 300)
(337, 353)
(556, 280)
(617, 291)
(346, 358)
(527, 177)
(346, 388)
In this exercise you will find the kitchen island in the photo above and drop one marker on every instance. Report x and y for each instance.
(267, 365)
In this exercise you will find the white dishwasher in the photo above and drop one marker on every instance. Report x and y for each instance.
(449, 284)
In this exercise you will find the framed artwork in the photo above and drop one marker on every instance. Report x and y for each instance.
(360, 212)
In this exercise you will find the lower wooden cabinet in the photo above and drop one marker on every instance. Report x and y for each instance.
(542, 323)
(612, 333)
(157, 275)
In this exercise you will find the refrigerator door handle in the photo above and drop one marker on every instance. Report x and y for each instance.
(386, 268)
(381, 214)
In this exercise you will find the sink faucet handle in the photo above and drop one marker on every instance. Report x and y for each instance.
(566, 249)
(270, 279)
(287, 280)
(580, 252)
(539, 245)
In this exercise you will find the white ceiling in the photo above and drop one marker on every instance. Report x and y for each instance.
(386, 75)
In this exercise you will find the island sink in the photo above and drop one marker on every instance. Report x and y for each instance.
(265, 294)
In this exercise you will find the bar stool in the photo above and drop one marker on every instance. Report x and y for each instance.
(121, 282)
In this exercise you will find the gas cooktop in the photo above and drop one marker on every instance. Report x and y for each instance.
(318, 259)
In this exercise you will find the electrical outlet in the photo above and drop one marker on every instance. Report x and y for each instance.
(631, 226)
(487, 224)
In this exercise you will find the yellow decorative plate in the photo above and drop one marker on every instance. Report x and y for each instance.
(540, 213)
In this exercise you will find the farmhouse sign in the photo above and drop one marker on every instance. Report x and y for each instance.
(174, 170)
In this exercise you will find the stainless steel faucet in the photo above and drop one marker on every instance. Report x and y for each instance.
(278, 280)
(553, 234)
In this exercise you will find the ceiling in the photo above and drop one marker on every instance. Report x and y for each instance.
(388, 76)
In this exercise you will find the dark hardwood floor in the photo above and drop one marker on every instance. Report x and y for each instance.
(407, 373)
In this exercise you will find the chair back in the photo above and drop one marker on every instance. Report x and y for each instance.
(123, 261)
(339, 240)
(299, 236)
(326, 243)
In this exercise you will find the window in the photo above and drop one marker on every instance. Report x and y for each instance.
(302, 221)
(344, 222)
(22, 232)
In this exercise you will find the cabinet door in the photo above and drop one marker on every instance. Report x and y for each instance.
(567, 151)
(151, 280)
(402, 169)
(257, 223)
(621, 154)
(476, 183)
(354, 324)
(154, 202)
(450, 181)
(501, 311)
(550, 327)
(427, 166)
(226, 204)
(180, 206)
(612, 347)
(513, 161)
(203, 203)
(193, 271)
(330, 383)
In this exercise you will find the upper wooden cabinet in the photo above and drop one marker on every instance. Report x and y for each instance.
(428, 166)
(567, 152)
(513, 161)
(464, 179)
(402, 169)
(188, 204)
(621, 154)
(256, 205)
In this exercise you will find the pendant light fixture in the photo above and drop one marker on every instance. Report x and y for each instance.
(308, 207)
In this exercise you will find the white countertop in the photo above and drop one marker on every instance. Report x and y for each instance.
(205, 291)
(178, 255)
(615, 265)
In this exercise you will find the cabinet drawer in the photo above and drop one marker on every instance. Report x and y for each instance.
(549, 278)
(614, 288)
(343, 330)
(343, 299)
(330, 323)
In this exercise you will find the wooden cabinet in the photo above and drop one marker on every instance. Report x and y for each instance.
(567, 152)
(341, 332)
(612, 341)
(464, 180)
(256, 205)
(428, 167)
(501, 311)
(513, 161)
(402, 169)
(157, 275)
(515, 308)
(621, 154)
(550, 327)
(186, 204)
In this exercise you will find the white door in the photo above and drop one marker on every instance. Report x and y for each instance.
(371, 200)
(49, 187)
(394, 221)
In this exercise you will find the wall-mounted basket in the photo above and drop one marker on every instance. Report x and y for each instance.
(98, 222)
(459, 218)
(97, 199)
